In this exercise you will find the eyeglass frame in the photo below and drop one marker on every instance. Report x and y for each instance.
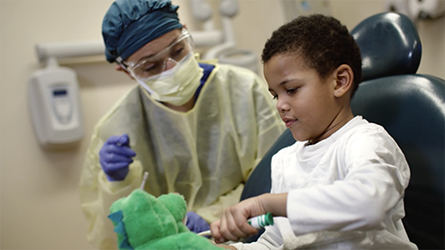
(130, 67)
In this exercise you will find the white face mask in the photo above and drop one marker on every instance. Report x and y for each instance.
(176, 85)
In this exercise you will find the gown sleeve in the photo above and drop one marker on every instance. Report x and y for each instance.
(97, 194)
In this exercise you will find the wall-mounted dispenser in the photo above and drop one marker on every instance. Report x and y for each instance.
(55, 106)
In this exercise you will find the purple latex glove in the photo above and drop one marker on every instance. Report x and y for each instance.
(115, 157)
(196, 223)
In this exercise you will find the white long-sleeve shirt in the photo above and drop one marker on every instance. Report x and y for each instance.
(345, 192)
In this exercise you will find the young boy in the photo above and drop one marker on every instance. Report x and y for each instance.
(341, 185)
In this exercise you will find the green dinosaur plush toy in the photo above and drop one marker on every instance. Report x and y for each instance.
(143, 221)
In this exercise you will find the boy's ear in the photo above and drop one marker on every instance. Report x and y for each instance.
(344, 78)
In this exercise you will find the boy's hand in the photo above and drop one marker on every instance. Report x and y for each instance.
(233, 223)
(225, 246)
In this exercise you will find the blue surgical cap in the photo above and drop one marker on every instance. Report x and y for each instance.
(130, 24)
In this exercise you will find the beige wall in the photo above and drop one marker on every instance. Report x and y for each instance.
(39, 195)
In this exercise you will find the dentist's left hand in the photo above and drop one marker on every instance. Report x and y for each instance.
(196, 223)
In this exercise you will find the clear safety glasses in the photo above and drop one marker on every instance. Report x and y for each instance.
(156, 64)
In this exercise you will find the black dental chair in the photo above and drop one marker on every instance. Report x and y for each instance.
(410, 106)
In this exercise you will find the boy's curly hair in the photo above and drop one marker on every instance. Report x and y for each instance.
(322, 41)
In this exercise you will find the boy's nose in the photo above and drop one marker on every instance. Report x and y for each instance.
(281, 106)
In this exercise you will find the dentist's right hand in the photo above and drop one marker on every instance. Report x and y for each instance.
(116, 156)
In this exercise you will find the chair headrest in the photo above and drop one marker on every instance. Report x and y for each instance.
(389, 45)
